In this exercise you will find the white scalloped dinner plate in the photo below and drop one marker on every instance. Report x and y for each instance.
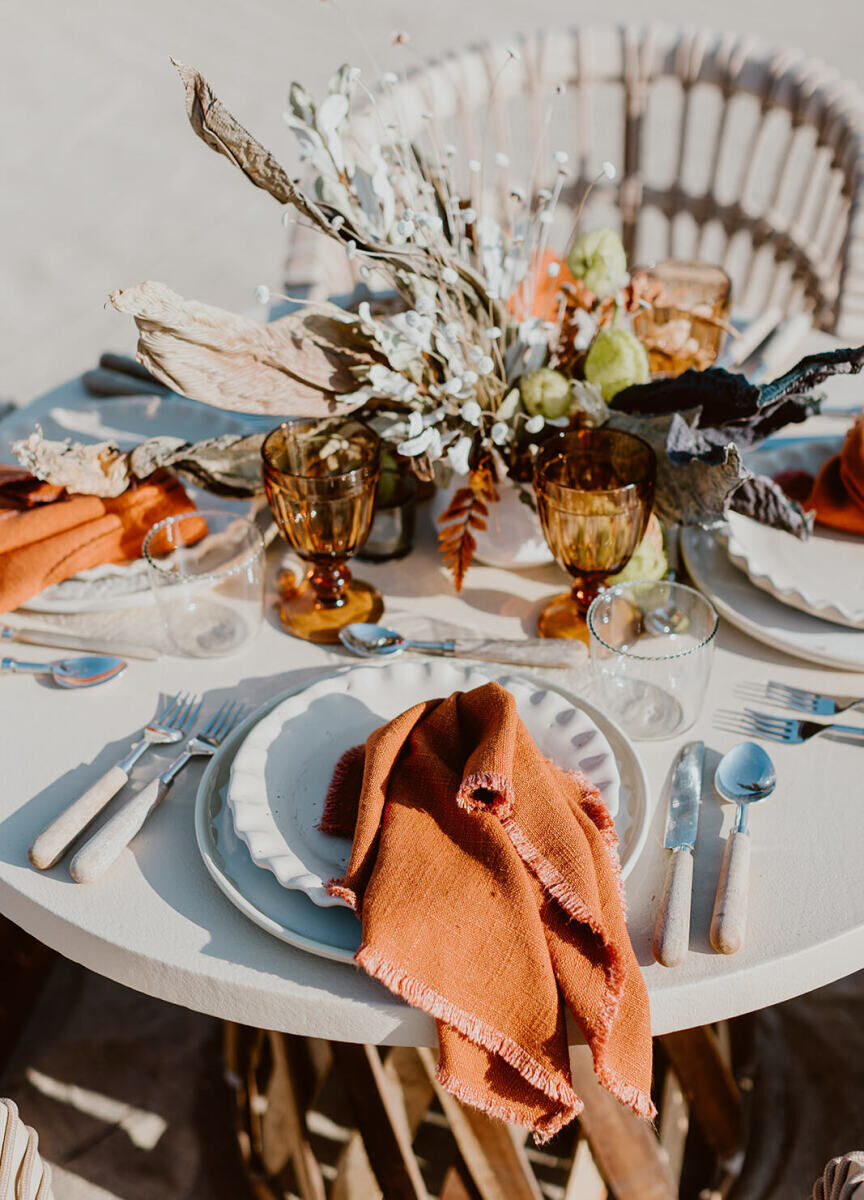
(823, 576)
(763, 616)
(281, 772)
(334, 932)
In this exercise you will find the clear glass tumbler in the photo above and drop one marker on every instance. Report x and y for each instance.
(206, 569)
(652, 644)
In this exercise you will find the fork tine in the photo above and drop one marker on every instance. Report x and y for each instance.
(798, 694)
(190, 712)
(207, 731)
(162, 716)
(769, 719)
(226, 723)
(239, 716)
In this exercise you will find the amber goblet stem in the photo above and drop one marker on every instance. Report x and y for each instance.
(330, 582)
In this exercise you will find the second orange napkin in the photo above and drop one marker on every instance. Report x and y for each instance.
(47, 535)
(488, 885)
(837, 498)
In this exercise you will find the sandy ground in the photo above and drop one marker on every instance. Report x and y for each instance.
(104, 185)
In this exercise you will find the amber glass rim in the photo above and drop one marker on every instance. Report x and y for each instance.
(550, 452)
(371, 459)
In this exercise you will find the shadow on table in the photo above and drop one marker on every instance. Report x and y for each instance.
(19, 829)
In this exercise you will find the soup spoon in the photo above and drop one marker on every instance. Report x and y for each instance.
(377, 641)
(86, 671)
(745, 774)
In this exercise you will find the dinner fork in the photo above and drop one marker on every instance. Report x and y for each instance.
(785, 729)
(104, 847)
(55, 839)
(814, 702)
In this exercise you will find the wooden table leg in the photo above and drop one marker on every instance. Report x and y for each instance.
(708, 1084)
(626, 1149)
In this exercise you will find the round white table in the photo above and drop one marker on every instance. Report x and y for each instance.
(157, 923)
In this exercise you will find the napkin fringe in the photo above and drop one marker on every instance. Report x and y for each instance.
(495, 793)
(333, 817)
(420, 995)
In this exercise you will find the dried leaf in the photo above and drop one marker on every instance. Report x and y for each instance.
(236, 363)
(224, 134)
(229, 465)
(456, 542)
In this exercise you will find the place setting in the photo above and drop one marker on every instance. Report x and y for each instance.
(437, 593)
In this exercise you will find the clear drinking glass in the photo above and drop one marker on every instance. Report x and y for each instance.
(206, 569)
(652, 644)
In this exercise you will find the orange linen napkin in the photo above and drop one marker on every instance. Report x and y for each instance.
(488, 884)
(47, 535)
(837, 497)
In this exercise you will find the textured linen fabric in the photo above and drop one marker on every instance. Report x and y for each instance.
(46, 535)
(837, 497)
(488, 885)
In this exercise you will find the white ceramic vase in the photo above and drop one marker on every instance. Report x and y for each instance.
(513, 537)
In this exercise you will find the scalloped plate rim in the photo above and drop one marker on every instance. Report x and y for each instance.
(267, 846)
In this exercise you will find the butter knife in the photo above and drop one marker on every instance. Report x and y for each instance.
(672, 928)
(74, 641)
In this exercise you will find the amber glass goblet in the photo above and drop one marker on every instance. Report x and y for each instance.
(687, 322)
(594, 489)
(320, 484)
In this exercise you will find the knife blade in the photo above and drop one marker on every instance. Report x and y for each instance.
(75, 641)
(672, 929)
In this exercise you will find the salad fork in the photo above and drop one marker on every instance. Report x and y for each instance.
(55, 839)
(785, 729)
(104, 847)
(813, 702)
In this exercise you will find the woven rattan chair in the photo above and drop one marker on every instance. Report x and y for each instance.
(725, 151)
(23, 1175)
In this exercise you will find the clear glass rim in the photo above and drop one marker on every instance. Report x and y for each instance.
(620, 589)
(153, 564)
(370, 465)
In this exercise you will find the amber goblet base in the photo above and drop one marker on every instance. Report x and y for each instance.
(565, 615)
(304, 615)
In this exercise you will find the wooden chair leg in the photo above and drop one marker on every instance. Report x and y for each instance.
(584, 1181)
(626, 1149)
(355, 1179)
(707, 1082)
(494, 1157)
(381, 1119)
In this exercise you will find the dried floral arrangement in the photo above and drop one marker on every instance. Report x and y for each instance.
(494, 339)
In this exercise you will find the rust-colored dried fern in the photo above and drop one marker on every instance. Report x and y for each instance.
(466, 511)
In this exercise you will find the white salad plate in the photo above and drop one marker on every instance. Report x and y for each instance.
(283, 769)
(334, 932)
(823, 576)
(760, 614)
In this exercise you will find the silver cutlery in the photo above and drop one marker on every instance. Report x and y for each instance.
(744, 775)
(55, 839)
(672, 929)
(74, 641)
(784, 729)
(104, 847)
(88, 671)
(377, 641)
(813, 702)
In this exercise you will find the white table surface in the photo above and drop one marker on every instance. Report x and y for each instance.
(156, 922)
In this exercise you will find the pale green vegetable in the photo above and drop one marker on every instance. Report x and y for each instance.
(599, 260)
(546, 393)
(649, 558)
(616, 360)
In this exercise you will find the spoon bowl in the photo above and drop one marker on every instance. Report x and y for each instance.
(745, 775)
(87, 670)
